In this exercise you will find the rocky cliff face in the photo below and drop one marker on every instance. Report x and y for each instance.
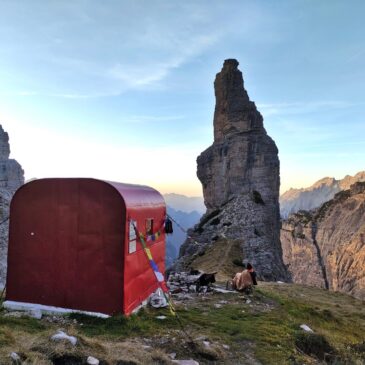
(314, 196)
(11, 177)
(240, 178)
(326, 247)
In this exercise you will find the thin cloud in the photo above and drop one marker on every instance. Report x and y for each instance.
(271, 109)
(147, 72)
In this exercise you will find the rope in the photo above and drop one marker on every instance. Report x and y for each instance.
(162, 284)
(184, 230)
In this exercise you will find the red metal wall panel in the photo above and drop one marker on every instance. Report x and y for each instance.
(66, 245)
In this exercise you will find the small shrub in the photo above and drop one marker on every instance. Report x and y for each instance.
(359, 348)
(238, 262)
(67, 359)
(314, 344)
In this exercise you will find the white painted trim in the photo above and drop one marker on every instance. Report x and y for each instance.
(21, 306)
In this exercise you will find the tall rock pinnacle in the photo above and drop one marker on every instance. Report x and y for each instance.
(234, 112)
(241, 179)
(243, 158)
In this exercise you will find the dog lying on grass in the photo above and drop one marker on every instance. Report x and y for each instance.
(205, 280)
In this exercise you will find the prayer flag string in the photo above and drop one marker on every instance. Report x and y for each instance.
(159, 277)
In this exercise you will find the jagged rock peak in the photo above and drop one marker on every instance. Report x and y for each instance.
(11, 173)
(234, 112)
(4, 144)
(11, 178)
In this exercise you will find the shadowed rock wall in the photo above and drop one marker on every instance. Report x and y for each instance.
(11, 178)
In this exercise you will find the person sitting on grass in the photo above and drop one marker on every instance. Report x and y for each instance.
(244, 281)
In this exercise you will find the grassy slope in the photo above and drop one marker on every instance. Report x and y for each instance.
(263, 331)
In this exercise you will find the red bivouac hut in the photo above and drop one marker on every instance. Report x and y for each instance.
(72, 245)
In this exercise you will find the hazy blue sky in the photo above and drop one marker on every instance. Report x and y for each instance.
(123, 90)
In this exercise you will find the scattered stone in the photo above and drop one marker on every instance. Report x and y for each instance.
(62, 336)
(16, 314)
(206, 343)
(305, 328)
(36, 313)
(182, 283)
(157, 299)
(185, 362)
(224, 291)
(15, 358)
(172, 355)
(201, 338)
(161, 317)
(92, 361)
(226, 347)
(217, 305)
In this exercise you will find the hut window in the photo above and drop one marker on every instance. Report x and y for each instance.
(132, 237)
(149, 226)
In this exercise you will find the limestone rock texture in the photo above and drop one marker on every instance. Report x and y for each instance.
(314, 196)
(326, 247)
(11, 178)
(240, 176)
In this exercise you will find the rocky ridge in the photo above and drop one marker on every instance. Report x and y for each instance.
(326, 247)
(11, 177)
(314, 196)
(240, 178)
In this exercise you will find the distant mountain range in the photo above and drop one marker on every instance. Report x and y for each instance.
(314, 196)
(187, 212)
(185, 203)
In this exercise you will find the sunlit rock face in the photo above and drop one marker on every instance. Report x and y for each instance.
(240, 178)
(314, 196)
(326, 247)
(11, 178)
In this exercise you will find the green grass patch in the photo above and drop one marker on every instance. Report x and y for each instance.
(26, 324)
(268, 326)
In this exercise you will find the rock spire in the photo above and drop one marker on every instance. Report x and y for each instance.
(11, 173)
(240, 178)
